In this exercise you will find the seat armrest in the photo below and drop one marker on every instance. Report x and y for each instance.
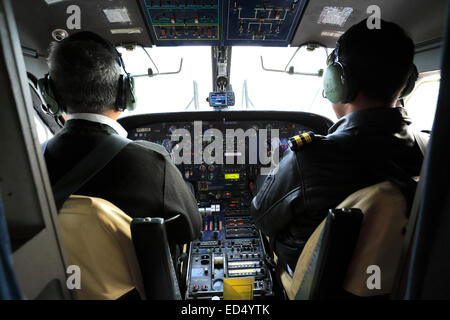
(153, 254)
(331, 255)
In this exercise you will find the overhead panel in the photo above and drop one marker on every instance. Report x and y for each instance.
(222, 22)
(256, 22)
(189, 22)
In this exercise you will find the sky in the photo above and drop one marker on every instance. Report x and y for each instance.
(266, 90)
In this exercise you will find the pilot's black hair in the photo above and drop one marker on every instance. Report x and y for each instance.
(378, 60)
(84, 75)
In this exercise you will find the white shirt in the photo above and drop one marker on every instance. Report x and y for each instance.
(99, 118)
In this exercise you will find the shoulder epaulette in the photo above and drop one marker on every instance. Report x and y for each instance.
(297, 142)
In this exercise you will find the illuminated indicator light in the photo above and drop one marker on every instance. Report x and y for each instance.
(232, 176)
(172, 19)
(195, 19)
(277, 15)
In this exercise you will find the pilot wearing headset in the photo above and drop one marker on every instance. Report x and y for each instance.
(85, 81)
(368, 73)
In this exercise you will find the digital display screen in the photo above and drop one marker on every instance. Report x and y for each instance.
(218, 99)
(197, 272)
(231, 176)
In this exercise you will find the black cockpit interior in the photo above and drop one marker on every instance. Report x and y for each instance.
(230, 246)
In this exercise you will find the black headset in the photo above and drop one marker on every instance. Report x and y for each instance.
(339, 86)
(125, 100)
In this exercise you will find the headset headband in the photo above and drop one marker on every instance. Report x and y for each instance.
(90, 36)
(125, 99)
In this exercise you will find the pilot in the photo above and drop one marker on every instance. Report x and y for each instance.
(141, 180)
(367, 73)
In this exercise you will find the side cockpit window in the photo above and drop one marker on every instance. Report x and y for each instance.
(421, 103)
(42, 130)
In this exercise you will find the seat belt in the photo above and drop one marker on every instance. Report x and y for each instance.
(422, 141)
(88, 167)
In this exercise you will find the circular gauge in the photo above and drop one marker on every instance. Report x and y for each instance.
(211, 168)
(202, 168)
(218, 285)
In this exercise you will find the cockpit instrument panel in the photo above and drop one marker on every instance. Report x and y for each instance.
(222, 22)
(267, 23)
(223, 157)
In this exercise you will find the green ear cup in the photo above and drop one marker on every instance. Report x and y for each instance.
(335, 85)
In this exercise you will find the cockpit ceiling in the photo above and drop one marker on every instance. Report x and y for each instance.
(423, 20)
(36, 19)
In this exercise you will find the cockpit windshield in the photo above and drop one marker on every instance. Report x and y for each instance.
(254, 87)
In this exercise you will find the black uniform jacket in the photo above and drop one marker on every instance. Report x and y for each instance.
(361, 149)
(141, 180)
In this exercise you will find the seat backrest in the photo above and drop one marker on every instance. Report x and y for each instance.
(153, 253)
(379, 243)
(381, 237)
(97, 238)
